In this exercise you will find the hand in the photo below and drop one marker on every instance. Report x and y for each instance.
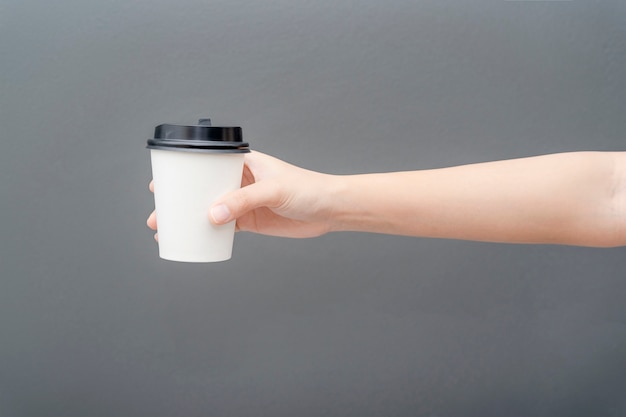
(276, 198)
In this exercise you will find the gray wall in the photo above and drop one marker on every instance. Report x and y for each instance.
(93, 323)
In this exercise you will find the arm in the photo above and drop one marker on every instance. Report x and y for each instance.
(571, 198)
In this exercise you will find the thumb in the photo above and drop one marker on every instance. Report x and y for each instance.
(237, 203)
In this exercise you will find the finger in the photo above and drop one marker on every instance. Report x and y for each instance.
(259, 162)
(243, 200)
(151, 186)
(151, 222)
(247, 177)
(156, 237)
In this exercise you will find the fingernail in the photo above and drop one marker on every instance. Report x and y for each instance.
(220, 213)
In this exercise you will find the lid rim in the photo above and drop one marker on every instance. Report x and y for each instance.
(198, 149)
(197, 143)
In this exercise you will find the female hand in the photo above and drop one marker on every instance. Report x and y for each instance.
(275, 198)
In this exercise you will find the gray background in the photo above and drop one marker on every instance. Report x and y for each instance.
(93, 323)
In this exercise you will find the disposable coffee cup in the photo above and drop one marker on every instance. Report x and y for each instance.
(191, 167)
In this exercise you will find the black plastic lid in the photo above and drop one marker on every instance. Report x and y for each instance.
(199, 138)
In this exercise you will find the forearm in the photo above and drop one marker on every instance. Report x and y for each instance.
(573, 198)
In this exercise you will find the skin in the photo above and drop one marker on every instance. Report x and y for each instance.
(576, 198)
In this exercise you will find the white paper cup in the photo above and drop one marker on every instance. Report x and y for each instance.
(187, 180)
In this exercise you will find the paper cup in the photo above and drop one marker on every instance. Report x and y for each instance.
(191, 167)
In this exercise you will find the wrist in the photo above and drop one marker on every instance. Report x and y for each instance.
(376, 203)
(338, 202)
(355, 200)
